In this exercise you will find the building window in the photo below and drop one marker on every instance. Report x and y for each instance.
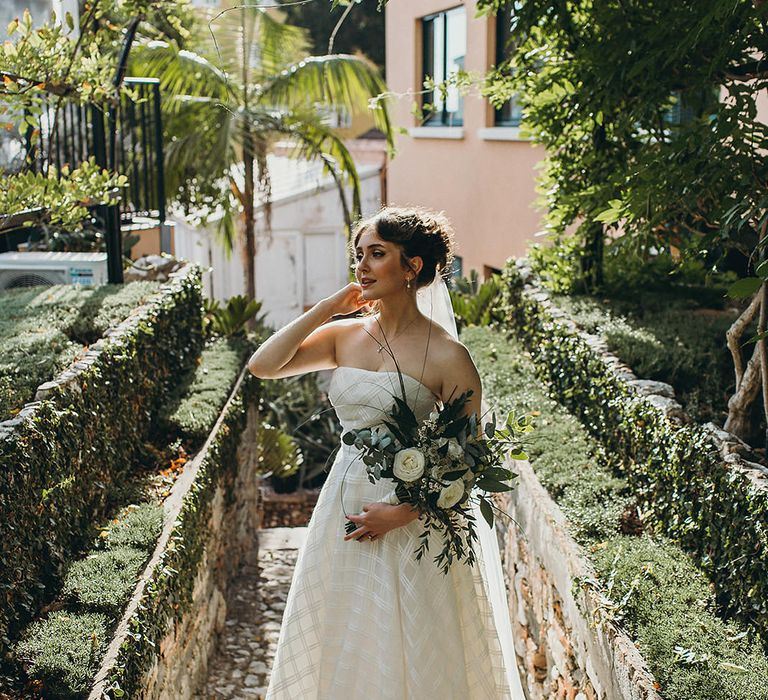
(510, 113)
(686, 106)
(445, 44)
(457, 268)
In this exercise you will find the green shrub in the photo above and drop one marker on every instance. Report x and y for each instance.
(103, 581)
(300, 410)
(277, 452)
(669, 609)
(232, 319)
(667, 339)
(136, 526)
(195, 401)
(685, 491)
(557, 263)
(655, 590)
(474, 303)
(63, 651)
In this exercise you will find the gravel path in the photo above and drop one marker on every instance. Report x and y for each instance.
(240, 669)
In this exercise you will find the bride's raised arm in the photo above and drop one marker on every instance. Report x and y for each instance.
(307, 343)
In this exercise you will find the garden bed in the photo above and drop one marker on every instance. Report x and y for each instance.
(647, 584)
(669, 338)
(62, 650)
(44, 329)
(67, 455)
(691, 482)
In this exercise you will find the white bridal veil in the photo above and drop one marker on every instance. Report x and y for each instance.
(434, 301)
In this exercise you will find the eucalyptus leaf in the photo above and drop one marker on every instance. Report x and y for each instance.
(486, 511)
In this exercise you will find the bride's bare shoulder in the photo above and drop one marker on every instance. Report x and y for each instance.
(451, 354)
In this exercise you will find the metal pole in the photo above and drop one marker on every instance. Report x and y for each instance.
(165, 231)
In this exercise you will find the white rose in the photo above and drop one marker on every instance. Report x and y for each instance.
(455, 450)
(409, 464)
(450, 495)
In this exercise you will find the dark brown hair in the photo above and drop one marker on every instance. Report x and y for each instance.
(418, 231)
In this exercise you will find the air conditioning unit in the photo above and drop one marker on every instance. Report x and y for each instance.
(49, 268)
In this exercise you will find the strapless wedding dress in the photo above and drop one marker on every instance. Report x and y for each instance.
(364, 620)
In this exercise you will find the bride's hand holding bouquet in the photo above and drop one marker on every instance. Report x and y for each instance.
(440, 467)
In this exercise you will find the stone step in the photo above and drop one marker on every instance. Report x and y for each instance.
(282, 538)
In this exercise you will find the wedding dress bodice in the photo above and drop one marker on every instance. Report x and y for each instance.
(362, 398)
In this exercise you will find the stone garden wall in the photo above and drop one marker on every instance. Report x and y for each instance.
(179, 662)
(565, 653)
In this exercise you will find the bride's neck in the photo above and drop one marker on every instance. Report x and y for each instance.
(395, 314)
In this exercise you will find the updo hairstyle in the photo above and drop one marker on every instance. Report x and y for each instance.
(418, 231)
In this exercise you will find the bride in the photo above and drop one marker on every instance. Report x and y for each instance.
(363, 618)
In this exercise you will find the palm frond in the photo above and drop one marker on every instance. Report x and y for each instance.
(203, 149)
(255, 37)
(181, 72)
(339, 80)
(313, 140)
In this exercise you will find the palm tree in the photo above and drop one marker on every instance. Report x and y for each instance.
(249, 85)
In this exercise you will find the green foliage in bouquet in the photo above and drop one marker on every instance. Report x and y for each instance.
(436, 465)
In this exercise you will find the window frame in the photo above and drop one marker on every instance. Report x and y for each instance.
(501, 35)
(443, 118)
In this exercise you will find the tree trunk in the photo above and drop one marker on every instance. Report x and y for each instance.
(249, 229)
(761, 343)
(592, 255)
(249, 232)
(736, 331)
(755, 376)
(740, 404)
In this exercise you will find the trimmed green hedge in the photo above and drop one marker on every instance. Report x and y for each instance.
(66, 648)
(43, 329)
(95, 592)
(104, 580)
(62, 457)
(650, 586)
(192, 406)
(137, 526)
(168, 593)
(717, 512)
(668, 608)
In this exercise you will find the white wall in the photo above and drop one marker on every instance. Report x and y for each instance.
(305, 260)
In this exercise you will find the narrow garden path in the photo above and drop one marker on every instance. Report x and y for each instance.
(243, 663)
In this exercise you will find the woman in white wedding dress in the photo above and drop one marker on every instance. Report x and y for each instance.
(363, 619)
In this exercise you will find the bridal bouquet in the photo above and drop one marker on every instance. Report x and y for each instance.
(441, 466)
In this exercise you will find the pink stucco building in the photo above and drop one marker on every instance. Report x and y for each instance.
(466, 159)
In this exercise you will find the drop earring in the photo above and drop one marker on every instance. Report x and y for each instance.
(408, 283)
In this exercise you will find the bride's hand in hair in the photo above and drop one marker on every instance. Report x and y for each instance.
(347, 300)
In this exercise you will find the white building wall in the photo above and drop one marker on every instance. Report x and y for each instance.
(305, 260)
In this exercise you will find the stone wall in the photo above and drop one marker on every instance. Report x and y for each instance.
(565, 651)
(181, 666)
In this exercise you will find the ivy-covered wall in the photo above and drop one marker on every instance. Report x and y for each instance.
(716, 509)
(163, 619)
(62, 453)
